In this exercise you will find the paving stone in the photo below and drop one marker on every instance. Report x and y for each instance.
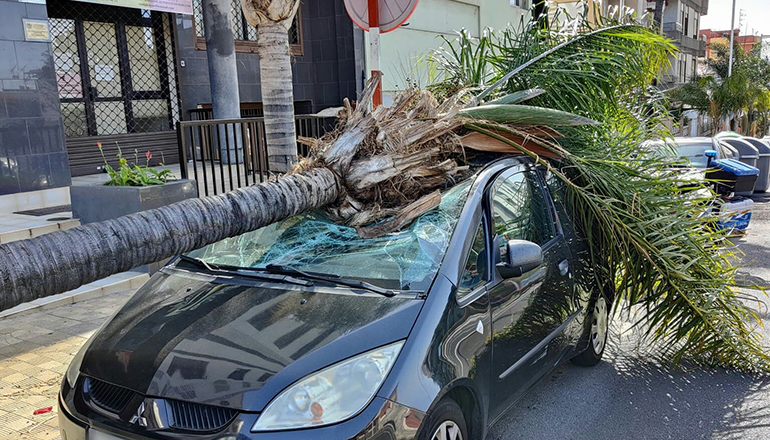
(35, 351)
(15, 422)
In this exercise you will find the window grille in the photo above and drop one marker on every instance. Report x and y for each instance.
(115, 69)
(245, 34)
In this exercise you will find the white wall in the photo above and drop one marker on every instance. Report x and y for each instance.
(401, 49)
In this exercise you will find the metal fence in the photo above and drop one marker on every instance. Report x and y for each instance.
(225, 154)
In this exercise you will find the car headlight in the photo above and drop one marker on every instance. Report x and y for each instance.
(330, 395)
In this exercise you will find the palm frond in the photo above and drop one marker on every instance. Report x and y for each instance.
(650, 243)
(516, 114)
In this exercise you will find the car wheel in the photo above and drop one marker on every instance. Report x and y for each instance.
(445, 422)
(599, 321)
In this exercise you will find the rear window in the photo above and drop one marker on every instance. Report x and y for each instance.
(406, 260)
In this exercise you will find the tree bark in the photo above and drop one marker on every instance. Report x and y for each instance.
(61, 261)
(277, 95)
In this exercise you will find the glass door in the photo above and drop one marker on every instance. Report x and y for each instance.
(106, 89)
(113, 76)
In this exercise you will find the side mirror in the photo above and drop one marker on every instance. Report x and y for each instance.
(521, 257)
(711, 154)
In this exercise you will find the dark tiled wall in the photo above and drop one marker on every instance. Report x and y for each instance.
(33, 155)
(323, 74)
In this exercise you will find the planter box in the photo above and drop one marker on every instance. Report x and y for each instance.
(95, 203)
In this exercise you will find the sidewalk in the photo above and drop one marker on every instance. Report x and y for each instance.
(35, 351)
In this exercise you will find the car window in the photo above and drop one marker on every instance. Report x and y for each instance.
(475, 271)
(520, 211)
(695, 154)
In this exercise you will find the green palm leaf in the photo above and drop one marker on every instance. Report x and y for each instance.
(517, 97)
(650, 247)
(515, 114)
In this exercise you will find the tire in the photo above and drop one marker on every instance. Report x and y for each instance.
(597, 327)
(446, 416)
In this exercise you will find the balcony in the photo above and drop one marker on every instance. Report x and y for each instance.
(701, 6)
(686, 43)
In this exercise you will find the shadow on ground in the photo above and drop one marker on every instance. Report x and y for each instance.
(627, 397)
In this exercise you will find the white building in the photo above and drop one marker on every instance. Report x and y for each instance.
(681, 23)
(403, 49)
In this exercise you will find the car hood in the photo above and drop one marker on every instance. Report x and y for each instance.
(236, 342)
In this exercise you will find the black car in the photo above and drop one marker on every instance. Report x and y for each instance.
(304, 330)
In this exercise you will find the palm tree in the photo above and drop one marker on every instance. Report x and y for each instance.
(720, 96)
(381, 170)
(273, 18)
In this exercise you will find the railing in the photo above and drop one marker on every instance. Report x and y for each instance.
(225, 154)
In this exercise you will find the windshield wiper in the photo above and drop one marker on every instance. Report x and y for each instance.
(243, 271)
(336, 279)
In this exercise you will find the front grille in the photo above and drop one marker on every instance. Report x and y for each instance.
(197, 417)
(107, 396)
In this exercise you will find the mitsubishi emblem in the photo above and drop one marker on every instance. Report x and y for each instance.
(138, 418)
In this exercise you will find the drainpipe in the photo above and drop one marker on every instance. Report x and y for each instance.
(223, 74)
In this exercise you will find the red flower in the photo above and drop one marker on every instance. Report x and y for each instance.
(99, 145)
(148, 155)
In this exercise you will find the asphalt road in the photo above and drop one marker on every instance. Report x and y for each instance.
(630, 396)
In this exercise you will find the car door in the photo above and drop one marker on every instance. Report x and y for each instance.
(528, 312)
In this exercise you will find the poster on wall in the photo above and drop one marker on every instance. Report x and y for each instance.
(175, 6)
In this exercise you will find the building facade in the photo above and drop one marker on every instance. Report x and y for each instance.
(123, 77)
(403, 50)
(681, 23)
(745, 42)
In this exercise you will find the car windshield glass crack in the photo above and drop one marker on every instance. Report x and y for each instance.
(312, 242)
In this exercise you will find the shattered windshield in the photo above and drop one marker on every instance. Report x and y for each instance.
(312, 242)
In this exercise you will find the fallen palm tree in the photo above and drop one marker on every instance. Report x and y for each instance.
(381, 169)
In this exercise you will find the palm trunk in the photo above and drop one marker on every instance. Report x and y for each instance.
(62, 261)
(277, 95)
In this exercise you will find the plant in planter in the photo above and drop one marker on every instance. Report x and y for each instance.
(136, 175)
(131, 188)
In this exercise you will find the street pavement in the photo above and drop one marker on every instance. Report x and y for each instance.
(629, 395)
(35, 351)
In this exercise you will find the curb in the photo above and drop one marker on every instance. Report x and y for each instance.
(112, 284)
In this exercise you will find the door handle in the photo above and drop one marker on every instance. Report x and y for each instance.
(564, 267)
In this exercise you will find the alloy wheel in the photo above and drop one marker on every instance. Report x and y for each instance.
(599, 325)
(447, 431)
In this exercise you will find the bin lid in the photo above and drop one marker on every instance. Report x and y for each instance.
(760, 145)
(735, 167)
(744, 147)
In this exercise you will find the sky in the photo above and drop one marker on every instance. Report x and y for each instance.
(757, 16)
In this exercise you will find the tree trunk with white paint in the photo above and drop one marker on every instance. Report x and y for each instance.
(277, 95)
(273, 18)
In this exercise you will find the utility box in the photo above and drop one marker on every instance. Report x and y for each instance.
(731, 176)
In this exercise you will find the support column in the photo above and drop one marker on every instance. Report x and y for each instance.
(223, 75)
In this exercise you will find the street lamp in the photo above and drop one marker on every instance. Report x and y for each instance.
(732, 37)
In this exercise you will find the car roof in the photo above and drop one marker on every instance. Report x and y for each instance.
(687, 141)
